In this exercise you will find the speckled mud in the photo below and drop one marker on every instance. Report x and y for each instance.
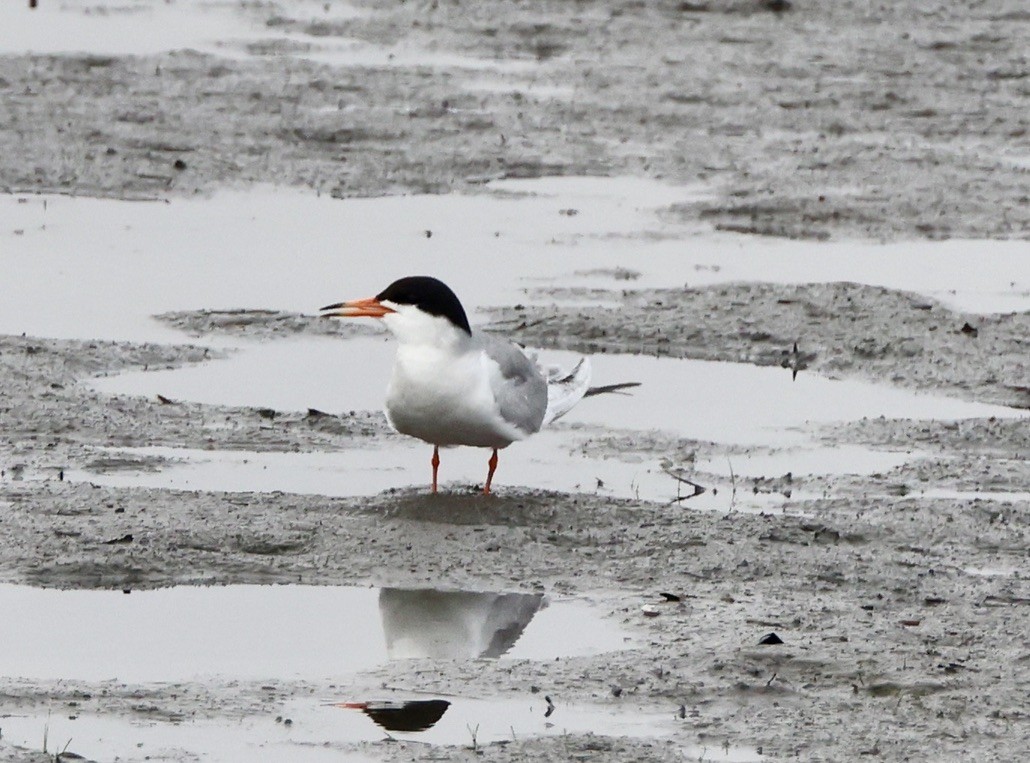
(819, 120)
(902, 597)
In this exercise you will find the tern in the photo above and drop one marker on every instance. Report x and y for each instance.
(455, 385)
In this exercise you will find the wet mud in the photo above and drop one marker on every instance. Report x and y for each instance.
(837, 329)
(811, 120)
(257, 324)
(883, 598)
(903, 612)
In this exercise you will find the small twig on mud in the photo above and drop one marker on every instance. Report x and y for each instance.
(733, 485)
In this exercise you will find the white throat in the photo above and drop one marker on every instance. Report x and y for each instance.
(412, 326)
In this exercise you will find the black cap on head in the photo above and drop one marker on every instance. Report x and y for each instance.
(430, 295)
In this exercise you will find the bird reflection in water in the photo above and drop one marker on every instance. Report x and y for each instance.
(413, 715)
(443, 625)
(449, 625)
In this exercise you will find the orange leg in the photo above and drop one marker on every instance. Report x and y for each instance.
(490, 474)
(436, 464)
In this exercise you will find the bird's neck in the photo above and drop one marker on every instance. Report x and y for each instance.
(428, 332)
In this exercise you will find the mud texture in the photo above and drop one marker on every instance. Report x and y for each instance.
(810, 119)
(886, 601)
(835, 329)
(257, 324)
(904, 616)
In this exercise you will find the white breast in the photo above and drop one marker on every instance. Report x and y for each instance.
(446, 398)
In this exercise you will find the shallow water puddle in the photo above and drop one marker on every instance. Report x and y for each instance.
(999, 496)
(181, 634)
(837, 459)
(322, 730)
(267, 248)
(186, 633)
(297, 28)
(545, 465)
(60, 26)
(114, 738)
(291, 250)
(717, 401)
(708, 400)
(294, 251)
(453, 720)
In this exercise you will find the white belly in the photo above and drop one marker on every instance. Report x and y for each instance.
(446, 400)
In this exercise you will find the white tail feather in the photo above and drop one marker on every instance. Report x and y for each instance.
(565, 389)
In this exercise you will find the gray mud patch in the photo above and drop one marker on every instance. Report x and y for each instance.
(258, 324)
(811, 120)
(839, 329)
(878, 602)
(52, 421)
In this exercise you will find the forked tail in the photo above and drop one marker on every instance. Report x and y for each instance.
(564, 390)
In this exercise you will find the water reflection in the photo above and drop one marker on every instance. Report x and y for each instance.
(186, 632)
(426, 623)
(414, 715)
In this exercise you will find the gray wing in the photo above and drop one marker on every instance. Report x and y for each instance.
(522, 395)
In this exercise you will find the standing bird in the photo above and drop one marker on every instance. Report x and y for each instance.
(453, 385)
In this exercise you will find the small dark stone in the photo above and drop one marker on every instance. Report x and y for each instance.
(127, 538)
(969, 330)
(770, 638)
(669, 596)
(179, 164)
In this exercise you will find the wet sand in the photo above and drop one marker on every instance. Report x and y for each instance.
(903, 608)
(843, 120)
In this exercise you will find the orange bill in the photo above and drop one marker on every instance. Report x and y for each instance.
(357, 308)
